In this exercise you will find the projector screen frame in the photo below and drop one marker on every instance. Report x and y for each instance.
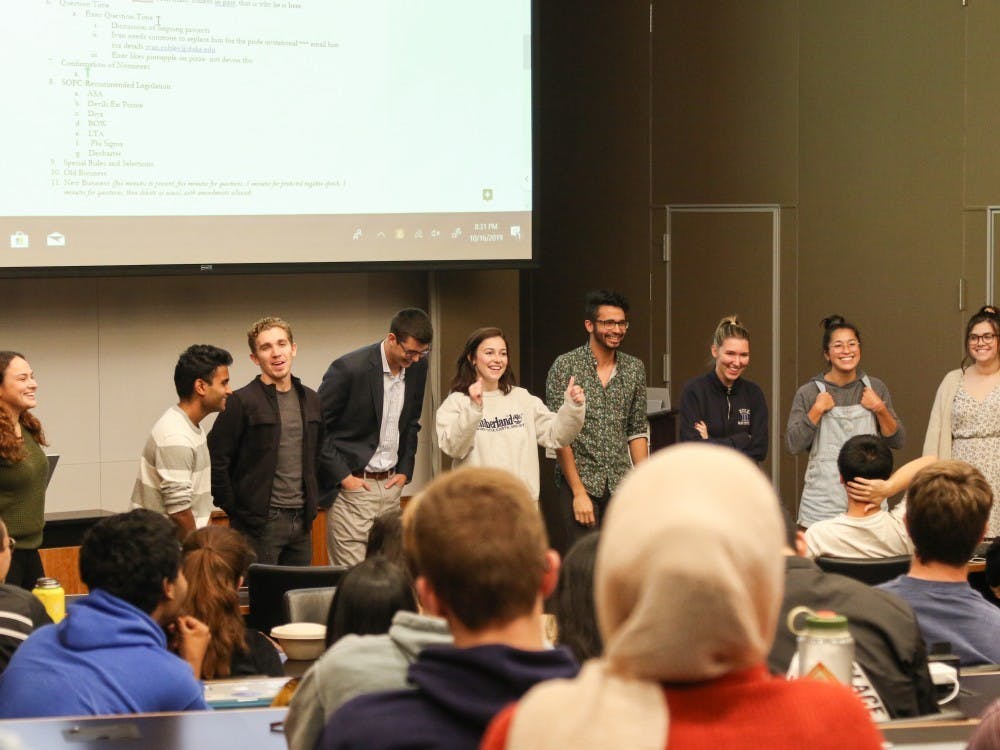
(210, 269)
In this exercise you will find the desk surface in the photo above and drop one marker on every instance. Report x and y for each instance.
(250, 728)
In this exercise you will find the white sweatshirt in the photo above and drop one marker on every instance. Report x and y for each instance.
(505, 431)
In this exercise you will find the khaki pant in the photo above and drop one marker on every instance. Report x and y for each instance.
(350, 519)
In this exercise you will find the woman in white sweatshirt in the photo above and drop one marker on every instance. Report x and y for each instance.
(488, 421)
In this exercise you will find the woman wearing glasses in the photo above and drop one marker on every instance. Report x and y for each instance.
(965, 418)
(24, 469)
(488, 421)
(832, 407)
(721, 406)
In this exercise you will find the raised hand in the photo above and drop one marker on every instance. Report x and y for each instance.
(476, 391)
(575, 393)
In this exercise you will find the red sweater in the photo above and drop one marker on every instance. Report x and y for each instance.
(750, 710)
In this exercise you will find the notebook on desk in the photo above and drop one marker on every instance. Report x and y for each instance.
(246, 692)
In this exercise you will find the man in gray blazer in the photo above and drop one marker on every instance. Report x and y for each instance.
(372, 399)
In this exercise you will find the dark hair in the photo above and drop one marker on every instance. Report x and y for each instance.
(992, 563)
(412, 323)
(385, 537)
(367, 598)
(596, 298)
(215, 559)
(466, 375)
(864, 456)
(987, 314)
(947, 507)
(574, 600)
(11, 446)
(833, 324)
(130, 555)
(198, 362)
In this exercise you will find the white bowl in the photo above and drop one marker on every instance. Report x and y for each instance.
(301, 641)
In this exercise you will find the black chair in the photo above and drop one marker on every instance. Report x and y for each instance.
(267, 584)
(309, 605)
(870, 570)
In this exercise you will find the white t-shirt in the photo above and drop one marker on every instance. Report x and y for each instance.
(881, 534)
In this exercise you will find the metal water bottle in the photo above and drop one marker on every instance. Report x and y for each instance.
(50, 592)
(826, 648)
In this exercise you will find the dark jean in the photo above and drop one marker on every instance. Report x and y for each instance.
(284, 540)
(25, 568)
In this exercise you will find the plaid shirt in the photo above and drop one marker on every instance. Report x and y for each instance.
(616, 414)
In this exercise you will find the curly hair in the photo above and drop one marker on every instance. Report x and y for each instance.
(11, 446)
(130, 555)
(215, 559)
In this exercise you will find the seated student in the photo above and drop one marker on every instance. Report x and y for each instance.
(887, 643)
(109, 656)
(385, 537)
(866, 530)
(479, 544)
(216, 559)
(576, 619)
(367, 598)
(947, 511)
(20, 611)
(373, 635)
(688, 587)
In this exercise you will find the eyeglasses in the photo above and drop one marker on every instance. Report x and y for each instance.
(986, 338)
(839, 346)
(623, 324)
(414, 354)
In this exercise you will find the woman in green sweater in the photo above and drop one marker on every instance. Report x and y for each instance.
(24, 469)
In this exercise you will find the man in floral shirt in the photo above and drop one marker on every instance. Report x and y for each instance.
(615, 432)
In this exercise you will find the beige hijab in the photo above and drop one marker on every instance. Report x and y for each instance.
(688, 584)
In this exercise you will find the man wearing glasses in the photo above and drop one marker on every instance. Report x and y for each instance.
(372, 399)
(615, 432)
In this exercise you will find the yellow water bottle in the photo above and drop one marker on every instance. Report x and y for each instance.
(50, 592)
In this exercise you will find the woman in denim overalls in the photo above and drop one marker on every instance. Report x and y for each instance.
(829, 409)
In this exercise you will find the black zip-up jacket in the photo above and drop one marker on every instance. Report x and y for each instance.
(735, 416)
(243, 445)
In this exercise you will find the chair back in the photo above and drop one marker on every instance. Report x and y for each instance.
(267, 584)
(309, 605)
(870, 570)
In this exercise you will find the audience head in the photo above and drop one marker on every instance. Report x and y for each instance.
(986, 322)
(201, 363)
(367, 598)
(993, 566)
(216, 559)
(471, 360)
(385, 537)
(864, 457)
(947, 508)
(574, 600)
(135, 556)
(664, 613)
(477, 545)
